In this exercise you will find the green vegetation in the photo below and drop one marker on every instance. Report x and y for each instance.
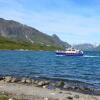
(4, 97)
(7, 44)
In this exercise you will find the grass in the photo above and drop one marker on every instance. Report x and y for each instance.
(7, 44)
(4, 97)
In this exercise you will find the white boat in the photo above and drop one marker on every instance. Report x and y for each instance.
(70, 52)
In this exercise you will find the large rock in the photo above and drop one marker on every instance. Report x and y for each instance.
(33, 81)
(41, 83)
(46, 82)
(86, 89)
(29, 81)
(36, 82)
(60, 84)
(14, 79)
(23, 80)
(8, 79)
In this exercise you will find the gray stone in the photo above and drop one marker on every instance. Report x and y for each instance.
(23, 80)
(33, 81)
(8, 79)
(28, 81)
(46, 82)
(76, 96)
(13, 80)
(36, 82)
(53, 84)
(60, 84)
(65, 86)
(41, 83)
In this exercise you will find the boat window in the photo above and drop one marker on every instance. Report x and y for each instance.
(73, 50)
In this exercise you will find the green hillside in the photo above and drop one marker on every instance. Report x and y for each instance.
(7, 44)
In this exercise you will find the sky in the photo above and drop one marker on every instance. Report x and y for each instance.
(74, 21)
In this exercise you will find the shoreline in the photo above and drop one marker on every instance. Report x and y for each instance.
(17, 87)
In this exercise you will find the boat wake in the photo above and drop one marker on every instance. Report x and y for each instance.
(60, 55)
(88, 56)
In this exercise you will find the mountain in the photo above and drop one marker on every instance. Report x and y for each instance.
(58, 41)
(16, 31)
(97, 48)
(85, 46)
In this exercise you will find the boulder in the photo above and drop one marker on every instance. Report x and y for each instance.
(8, 79)
(76, 96)
(46, 82)
(13, 80)
(33, 81)
(60, 84)
(53, 84)
(66, 86)
(36, 82)
(69, 87)
(29, 81)
(86, 89)
(23, 80)
(41, 83)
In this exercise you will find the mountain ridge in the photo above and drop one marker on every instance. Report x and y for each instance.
(84, 46)
(19, 32)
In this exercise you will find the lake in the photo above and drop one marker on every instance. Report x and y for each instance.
(45, 64)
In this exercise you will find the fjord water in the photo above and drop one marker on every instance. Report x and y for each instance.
(42, 64)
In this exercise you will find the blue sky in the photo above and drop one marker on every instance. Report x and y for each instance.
(74, 21)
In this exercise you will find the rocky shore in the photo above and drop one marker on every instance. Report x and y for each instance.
(42, 89)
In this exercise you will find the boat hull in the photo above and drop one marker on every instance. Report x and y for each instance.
(69, 54)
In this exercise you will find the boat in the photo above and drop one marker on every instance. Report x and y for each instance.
(70, 52)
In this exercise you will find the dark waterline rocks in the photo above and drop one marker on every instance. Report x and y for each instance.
(44, 83)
